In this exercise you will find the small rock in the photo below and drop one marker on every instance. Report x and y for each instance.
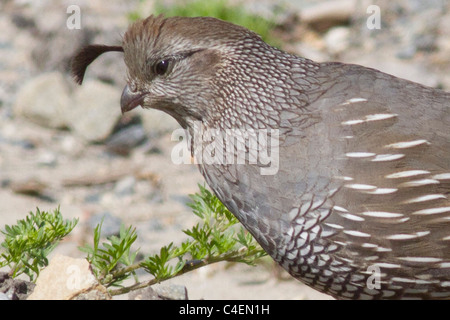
(30, 186)
(155, 225)
(97, 293)
(123, 141)
(25, 144)
(337, 40)
(95, 111)
(172, 292)
(14, 289)
(425, 42)
(110, 225)
(92, 197)
(160, 292)
(23, 22)
(407, 52)
(72, 146)
(125, 186)
(66, 278)
(144, 294)
(47, 159)
(4, 182)
(326, 14)
(44, 100)
(4, 296)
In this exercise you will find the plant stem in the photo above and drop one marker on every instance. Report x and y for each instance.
(125, 270)
(187, 268)
(232, 256)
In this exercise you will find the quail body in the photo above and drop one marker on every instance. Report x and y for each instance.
(356, 202)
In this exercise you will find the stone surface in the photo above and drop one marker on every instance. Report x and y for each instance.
(67, 278)
(44, 100)
(95, 111)
(160, 292)
(337, 40)
(14, 289)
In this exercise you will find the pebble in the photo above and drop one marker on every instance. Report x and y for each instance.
(3, 296)
(325, 14)
(110, 226)
(171, 292)
(337, 40)
(123, 141)
(13, 288)
(160, 292)
(125, 186)
(71, 146)
(47, 158)
(92, 197)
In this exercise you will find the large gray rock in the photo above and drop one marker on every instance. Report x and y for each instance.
(44, 100)
(95, 110)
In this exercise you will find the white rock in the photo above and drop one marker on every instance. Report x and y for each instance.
(71, 145)
(65, 278)
(3, 296)
(47, 158)
(337, 40)
(125, 186)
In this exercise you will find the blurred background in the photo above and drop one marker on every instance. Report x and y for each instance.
(69, 146)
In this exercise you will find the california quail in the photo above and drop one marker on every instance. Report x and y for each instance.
(356, 204)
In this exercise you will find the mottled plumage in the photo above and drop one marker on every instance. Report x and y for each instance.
(358, 206)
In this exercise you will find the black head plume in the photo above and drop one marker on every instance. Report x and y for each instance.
(85, 56)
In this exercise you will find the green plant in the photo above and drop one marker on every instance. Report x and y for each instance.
(28, 243)
(216, 238)
(105, 258)
(220, 9)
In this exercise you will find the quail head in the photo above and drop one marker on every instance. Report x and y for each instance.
(344, 177)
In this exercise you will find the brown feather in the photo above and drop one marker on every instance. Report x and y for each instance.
(85, 56)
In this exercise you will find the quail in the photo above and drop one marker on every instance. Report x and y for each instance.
(354, 198)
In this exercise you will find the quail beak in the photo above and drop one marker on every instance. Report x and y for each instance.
(130, 100)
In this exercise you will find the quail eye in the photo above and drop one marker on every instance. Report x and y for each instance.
(161, 67)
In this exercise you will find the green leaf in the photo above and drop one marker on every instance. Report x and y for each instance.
(107, 257)
(217, 237)
(28, 243)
